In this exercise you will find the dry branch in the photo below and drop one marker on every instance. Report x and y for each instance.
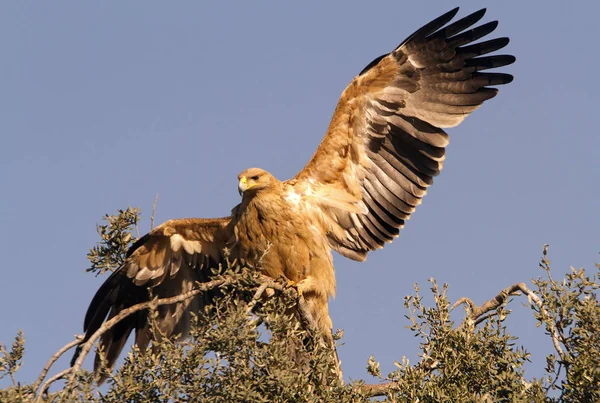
(54, 358)
(477, 312)
(44, 389)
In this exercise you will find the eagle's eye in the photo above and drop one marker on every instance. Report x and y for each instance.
(254, 178)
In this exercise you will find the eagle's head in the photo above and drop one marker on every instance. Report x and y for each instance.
(254, 180)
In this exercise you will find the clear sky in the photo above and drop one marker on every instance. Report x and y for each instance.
(105, 104)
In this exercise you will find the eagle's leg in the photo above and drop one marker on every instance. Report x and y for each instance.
(307, 286)
(294, 284)
(316, 299)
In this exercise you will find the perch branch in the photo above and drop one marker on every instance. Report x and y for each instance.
(305, 316)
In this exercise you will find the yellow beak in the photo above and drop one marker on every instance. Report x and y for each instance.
(242, 185)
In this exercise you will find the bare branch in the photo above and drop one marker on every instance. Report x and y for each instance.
(477, 312)
(490, 305)
(54, 358)
(464, 300)
(485, 317)
(49, 382)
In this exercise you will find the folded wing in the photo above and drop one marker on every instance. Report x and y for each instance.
(168, 261)
(385, 142)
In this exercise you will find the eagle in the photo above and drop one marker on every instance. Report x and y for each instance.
(385, 144)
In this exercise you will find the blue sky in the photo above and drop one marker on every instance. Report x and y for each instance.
(106, 104)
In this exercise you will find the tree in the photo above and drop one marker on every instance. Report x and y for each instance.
(240, 352)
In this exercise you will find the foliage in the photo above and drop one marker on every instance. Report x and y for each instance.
(115, 239)
(464, 363)
(247, 350)
(573, 314)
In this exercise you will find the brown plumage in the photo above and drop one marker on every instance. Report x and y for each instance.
(383, 147)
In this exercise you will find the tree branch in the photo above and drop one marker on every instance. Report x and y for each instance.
(551, 327)
(477, 311)
(46, 385)
(490, 305)
(54, 358)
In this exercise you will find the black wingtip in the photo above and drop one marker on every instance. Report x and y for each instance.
(76, 355)
(502, 42)
(510, 59)
(453, 12)
(432, 26)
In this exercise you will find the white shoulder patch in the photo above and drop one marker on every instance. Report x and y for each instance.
(293, 197)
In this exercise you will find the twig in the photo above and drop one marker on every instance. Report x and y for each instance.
(153, 211)
(49, 382)
(54, 358)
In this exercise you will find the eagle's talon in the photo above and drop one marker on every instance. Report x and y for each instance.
(296, 285)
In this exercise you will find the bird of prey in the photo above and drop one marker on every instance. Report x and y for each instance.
(383, 147)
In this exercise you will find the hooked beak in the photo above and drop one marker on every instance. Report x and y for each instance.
(242, 185)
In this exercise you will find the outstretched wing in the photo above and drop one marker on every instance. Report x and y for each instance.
(385, 142)
(169, 260)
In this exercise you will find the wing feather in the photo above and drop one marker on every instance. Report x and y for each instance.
(170, 259)
(386, 142)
